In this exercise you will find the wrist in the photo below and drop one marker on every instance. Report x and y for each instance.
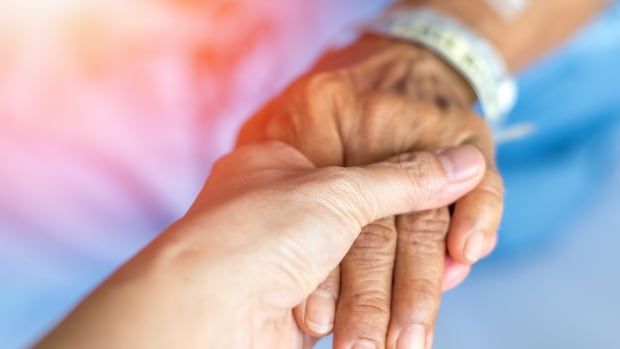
(467, 52)
(481, 18)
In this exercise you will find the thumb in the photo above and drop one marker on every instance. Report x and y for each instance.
(413, 182)
(357, 196)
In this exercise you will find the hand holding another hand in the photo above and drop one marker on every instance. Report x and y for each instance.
(371, 101)
(265, 231)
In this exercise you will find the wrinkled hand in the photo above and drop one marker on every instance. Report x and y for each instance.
(265, 231)
(364, 104)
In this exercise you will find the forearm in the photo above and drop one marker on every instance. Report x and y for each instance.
(541, 25)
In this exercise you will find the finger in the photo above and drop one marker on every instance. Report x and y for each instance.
(454, 274)
(363, 311)
(315, 316)
(343, 200)
(476, 220)
(430, 339)
(408, 183)
(418, 275)
(309, 342)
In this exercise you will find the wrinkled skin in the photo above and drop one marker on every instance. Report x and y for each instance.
(265, 230)
(373, 100)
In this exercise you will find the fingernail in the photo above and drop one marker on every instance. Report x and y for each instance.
(474, 247)
(364, 344)
(413, 337)
(320, 308)
(461, 163)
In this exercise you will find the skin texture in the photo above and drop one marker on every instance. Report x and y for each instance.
(264, 232)
(380, 97)
(371, 101)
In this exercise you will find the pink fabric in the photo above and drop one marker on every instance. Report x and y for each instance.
(111, 113)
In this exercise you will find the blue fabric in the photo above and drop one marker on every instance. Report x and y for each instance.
(573, 97)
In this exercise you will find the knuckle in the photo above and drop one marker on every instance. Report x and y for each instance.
(382, 104)
(326, 84)
(492, 189)
(424, 228)
(345, 182)
(310, 102)
(355, 177)
(371, 308)
(423, 171)
(331, 285)
(370, 302)
(376, 236)
(344, 192)
(330, 288)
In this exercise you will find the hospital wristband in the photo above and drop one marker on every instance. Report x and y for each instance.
(473, 57)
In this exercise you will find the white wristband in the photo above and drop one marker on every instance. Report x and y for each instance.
(473, 57)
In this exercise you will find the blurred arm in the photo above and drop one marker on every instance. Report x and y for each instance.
(540, 26)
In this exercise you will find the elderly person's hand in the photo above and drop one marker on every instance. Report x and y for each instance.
(265, 231)
(366, 103)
